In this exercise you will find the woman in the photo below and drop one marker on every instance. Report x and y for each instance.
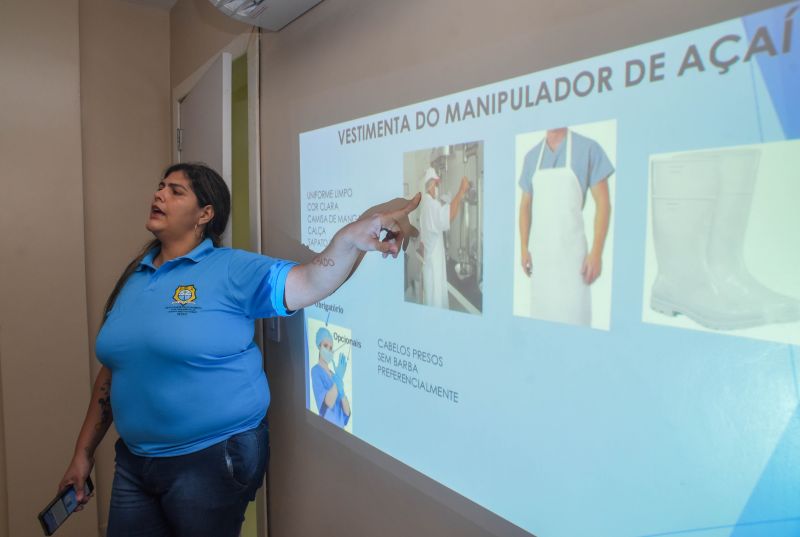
(182, 377)
(327, 382)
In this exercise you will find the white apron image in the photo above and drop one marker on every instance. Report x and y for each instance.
(558, 245)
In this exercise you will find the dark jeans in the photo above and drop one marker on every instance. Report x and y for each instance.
(201, 494)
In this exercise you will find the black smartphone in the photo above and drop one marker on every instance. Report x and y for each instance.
(61, 507)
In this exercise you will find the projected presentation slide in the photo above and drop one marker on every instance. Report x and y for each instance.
(596, 329)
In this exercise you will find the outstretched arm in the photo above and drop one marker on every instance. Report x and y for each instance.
(455, 204)
(311, 282)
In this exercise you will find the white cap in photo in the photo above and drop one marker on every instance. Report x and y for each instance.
(430, 175)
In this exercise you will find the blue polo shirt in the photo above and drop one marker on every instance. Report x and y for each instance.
(186, 372)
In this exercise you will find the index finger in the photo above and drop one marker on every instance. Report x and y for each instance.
(410, 206)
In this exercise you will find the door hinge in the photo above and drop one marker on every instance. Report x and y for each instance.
(179, 139)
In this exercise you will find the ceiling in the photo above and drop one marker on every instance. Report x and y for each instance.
(162, 4)
(279, 13)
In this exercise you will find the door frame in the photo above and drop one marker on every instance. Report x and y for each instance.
(244, 44)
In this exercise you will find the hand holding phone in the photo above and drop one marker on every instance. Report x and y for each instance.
(63, 505)
(78, 470)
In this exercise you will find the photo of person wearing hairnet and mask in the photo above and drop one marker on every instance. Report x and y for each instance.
(444, 264)
(330, 375)
(565, 195)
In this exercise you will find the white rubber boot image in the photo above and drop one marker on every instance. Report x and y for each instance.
(701, 205)
(684, 194)
(738, 170)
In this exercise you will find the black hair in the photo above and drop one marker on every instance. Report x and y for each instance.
(210, 189)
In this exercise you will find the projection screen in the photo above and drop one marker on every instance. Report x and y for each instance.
(595, 330)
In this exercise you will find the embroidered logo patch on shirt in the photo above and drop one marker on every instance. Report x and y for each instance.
(185, 294)
(183, 300)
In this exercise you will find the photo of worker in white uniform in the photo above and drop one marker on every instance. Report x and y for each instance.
(444, 266)
(564, 200)
(719, 253)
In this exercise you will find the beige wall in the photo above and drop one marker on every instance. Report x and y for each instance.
(198, 31)
(84, 109)
(44, 347)
(125, 114)
(3, 482)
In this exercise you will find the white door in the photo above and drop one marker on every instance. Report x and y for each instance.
(205, 123)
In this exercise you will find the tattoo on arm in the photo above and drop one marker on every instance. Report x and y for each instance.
(324, 261)
(106, 416)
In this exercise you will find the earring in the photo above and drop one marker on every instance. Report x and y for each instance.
(195, 231)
